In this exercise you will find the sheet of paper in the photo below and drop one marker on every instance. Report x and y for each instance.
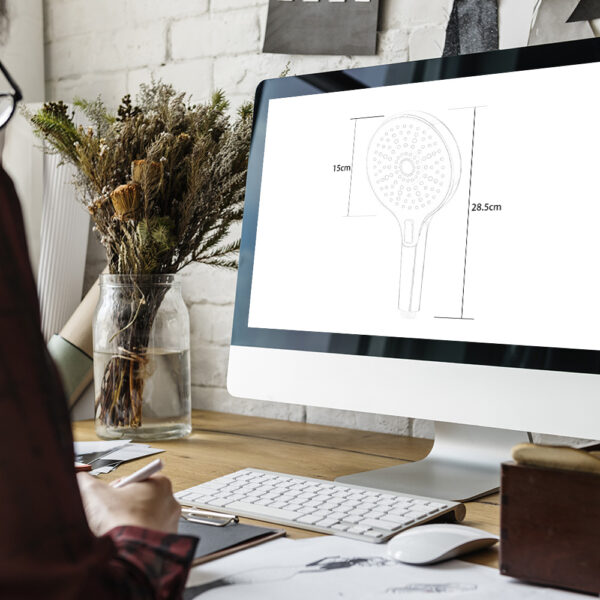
(338, 568)
(82, 449)
(131, 452)
(128, 452)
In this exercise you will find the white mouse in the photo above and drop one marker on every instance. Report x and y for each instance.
(427, 544)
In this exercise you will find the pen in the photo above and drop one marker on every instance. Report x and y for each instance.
(144, 473)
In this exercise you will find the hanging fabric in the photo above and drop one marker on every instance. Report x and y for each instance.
(473, 27)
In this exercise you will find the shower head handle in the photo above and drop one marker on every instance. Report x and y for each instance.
(412, 264)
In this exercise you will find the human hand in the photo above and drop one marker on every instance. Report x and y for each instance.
(148, 504)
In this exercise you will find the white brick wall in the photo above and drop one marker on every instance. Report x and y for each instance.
(109, 47)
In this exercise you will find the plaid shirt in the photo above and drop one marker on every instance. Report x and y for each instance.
(46, 547)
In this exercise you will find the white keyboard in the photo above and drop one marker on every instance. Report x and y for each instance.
(325, 506)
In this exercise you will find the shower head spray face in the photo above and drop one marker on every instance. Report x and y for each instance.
(413, 165)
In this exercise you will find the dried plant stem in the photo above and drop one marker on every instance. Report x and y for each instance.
(119, 403)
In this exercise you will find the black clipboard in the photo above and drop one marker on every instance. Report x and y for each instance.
(215, 542)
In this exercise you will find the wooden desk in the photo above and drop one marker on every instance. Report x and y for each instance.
(222, 443)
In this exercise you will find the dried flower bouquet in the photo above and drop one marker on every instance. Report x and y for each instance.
(164, 182)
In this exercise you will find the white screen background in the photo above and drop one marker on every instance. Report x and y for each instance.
(327, 254)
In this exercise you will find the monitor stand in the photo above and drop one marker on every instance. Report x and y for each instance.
(463, 464)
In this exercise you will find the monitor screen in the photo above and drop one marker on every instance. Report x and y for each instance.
(444, 210)
(484, 189)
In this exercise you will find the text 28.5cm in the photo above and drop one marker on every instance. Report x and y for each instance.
(478, 207)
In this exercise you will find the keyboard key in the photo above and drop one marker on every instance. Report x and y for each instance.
(358, 529)
(219, 503)
(397, 519)
(234, 497)
(308, 519)
(375, 514)
(306, 510)
(214, 485)
(322, 497)
(413, 514)
(372, 533)
(379, 524)
(353, 520)
(312, 502)
(339, 516)
(398, 511)
(327, 522)
(264, 502)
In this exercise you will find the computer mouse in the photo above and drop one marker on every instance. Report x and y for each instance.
(428, 544)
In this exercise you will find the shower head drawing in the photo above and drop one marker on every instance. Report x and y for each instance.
(413, 166)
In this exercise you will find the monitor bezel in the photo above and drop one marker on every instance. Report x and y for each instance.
(474, 353)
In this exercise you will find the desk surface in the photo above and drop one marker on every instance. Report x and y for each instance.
(221, 443)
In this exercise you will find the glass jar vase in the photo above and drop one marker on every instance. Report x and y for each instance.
(141, 358)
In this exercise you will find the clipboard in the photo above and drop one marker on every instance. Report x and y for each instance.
(216, 542)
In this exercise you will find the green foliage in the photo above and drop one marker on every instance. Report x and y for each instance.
(55, 124)
(193, 188)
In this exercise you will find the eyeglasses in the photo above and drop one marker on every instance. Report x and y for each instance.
(8, 101)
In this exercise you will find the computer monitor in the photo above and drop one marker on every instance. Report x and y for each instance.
(423, 239)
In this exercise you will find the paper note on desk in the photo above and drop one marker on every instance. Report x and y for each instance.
(106, 456)
(86, 451)
(338, 568)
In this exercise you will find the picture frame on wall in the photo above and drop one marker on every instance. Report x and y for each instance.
(347, 27)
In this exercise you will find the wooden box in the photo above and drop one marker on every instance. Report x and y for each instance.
(550, 527)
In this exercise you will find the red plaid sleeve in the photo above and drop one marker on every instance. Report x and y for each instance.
(149, 564)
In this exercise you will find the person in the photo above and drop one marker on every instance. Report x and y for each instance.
(127, 547)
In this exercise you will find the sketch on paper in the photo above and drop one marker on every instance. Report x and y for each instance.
(271, 575)
(413, 167)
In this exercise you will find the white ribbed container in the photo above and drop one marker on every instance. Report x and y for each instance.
(63, 245)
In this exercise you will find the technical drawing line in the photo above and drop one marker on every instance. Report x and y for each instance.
(465, 107)
(370, 117)
(351, 170)
(462, 303)
(456, 318)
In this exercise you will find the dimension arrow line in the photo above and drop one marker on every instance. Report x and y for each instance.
(351, 170)
(462, 304)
